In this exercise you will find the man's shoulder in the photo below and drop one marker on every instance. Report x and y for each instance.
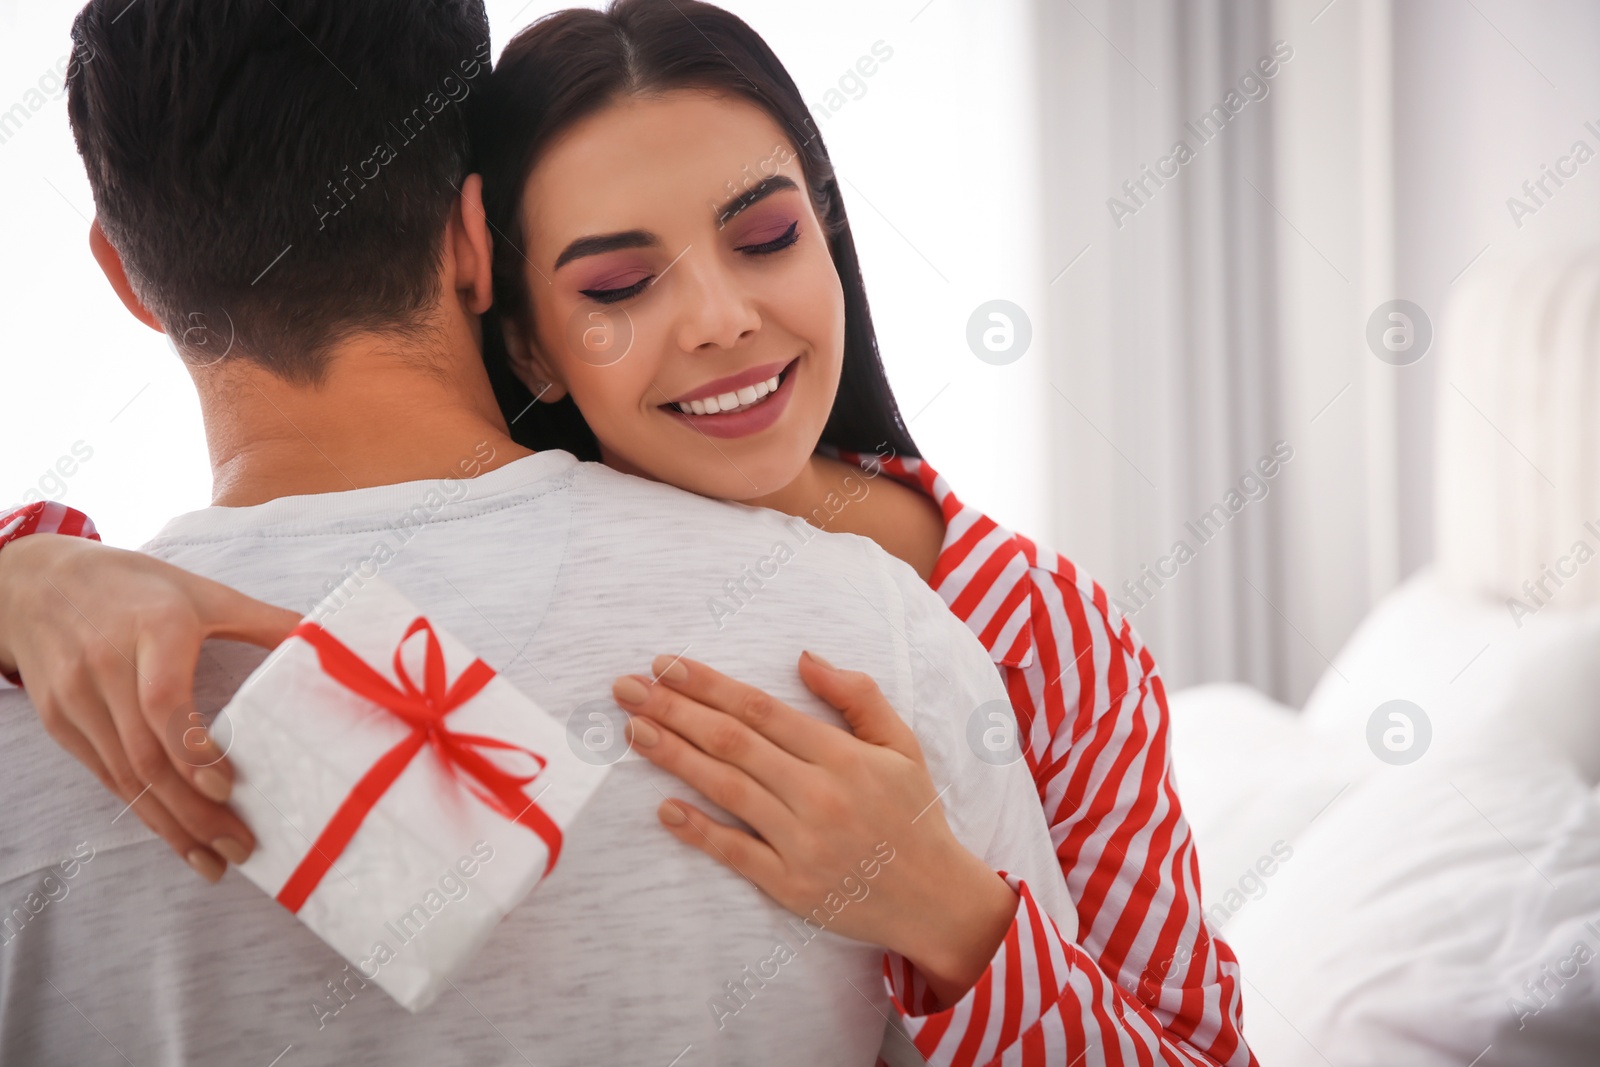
(669, 518)
(756, 565)
(664, 517)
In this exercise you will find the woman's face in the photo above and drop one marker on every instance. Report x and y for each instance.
(683, 293)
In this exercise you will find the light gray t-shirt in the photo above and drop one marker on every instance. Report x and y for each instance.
(561, 575)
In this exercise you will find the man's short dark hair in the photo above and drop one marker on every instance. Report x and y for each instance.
(277, 174)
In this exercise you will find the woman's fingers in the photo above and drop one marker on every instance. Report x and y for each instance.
(164, 666)
(78, 747)
(124, 783)
(731, 847)
(78, 707)
(724, 784)
(229, 615)
(169, 761)
(863, 705)
(794, 732)
(721, 736)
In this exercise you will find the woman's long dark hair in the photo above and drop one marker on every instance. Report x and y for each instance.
(573, 63)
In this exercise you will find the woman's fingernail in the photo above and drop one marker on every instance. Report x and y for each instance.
(819, 661)
(670, 669)
(213, 784)
(231, 849)
(629, 690)
(642, 732)
(205, 865)
(672, 815)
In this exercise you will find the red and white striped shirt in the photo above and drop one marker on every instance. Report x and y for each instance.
(1146, 981)
(45, 516)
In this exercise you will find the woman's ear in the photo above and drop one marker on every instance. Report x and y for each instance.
(111, 265)
(530, 365)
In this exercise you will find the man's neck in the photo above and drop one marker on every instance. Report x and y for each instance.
(384, 413)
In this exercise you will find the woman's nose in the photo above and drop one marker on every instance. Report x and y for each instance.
(718, 311)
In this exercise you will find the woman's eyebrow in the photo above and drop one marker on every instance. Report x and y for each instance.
(777, 183)
(605, 242)
(599, 244)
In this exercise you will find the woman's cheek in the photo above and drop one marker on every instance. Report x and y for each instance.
(822, 304)
(823, 327)
(613, 397)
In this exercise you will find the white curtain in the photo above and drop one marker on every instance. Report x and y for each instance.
(1224, 442)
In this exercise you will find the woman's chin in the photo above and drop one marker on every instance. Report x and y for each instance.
(753, 480)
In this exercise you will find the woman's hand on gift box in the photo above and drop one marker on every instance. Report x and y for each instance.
(849, 831)
(106, 642)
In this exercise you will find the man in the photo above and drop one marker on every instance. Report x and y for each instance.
(325, 300)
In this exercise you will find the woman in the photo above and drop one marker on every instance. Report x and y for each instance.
(679, 290)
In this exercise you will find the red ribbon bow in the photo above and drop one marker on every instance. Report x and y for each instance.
(425, 710)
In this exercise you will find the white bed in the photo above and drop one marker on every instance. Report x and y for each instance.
(1443, 911)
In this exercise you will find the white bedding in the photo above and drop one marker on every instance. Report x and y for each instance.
(1444, 912)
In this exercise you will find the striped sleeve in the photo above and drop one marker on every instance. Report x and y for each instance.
(1147, 982)
(1164, 988)
(45, 516)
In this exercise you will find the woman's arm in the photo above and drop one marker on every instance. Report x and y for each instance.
(106, 642)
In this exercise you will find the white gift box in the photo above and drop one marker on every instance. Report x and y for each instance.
(438, 859)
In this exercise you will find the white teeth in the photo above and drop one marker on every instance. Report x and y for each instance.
(734, 401)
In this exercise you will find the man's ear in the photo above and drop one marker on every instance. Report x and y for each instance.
(472, 252)
(111, 264)
(530, 365)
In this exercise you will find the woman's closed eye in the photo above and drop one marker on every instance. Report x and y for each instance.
(611, 296)
(776, 244)
(618, 282)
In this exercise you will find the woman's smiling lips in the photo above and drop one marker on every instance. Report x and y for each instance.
(756, 405)
(732, 383)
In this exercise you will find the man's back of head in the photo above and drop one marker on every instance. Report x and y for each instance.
(276, 174)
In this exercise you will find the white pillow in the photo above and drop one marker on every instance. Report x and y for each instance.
(1418, 906)
(1466, 662)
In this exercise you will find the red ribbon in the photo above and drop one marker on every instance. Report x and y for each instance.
(425, 710)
